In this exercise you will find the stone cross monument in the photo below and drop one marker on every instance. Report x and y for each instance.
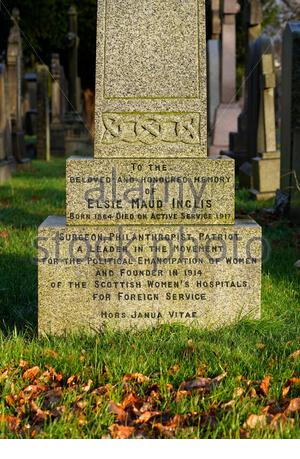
(150, 235)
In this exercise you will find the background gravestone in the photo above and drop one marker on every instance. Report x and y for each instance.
(290, 121)
(214, 60)
(77, 137)
(59, 93)
(43, 114)
(6, 160)
(15, 78)
(228, 111)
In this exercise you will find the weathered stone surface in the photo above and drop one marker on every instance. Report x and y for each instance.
(140, 276)
(111, 191)
(43, 113)
(213, 51)
(290, 103)
(151, 79)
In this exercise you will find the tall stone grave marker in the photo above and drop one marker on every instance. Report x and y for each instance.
(266, 166)
(240, 141)
(214, 61)
(290, 122)
(228, 110)
(77, 139)
(43, 113)
(6, 160)
(57, 107)
(150, 235)
(15, 75)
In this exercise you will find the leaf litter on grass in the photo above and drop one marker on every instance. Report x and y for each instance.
(39, 396)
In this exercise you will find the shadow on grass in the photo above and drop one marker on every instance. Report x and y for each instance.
(18, 293)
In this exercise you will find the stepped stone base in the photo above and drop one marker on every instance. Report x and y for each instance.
(137, 276)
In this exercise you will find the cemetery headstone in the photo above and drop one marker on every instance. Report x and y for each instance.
(6, 160)
(77, 138)
(266, 166)
(238, 143)
(290, 121)
(150, 235)
(58, 98)
(43, 113)
(15, 78)
(30, 103)
(228, 110)
(214, 60)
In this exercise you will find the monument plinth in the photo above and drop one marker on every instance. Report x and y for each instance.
(150, 235)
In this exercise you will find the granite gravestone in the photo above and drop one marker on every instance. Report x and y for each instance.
(58, 95)
(15, 76)
(77, 138)
(6, 160)
(266, 165)
(213, 60)
(150, 235)
(290, 123)
(228, 111)
(43, 113)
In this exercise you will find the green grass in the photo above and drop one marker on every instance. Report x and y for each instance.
(252, 349)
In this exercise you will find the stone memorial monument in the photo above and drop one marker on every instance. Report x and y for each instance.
(290, 122)
(242, 140)
(77, 139)
(150, 235)
(214, 68)
(228, 110)
(15, 76)
(6, 159)
(266, 165)
(58, 108)
(43, 113)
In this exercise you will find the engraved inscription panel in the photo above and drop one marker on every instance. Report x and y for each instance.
(141, 276)
(149, 129)
(151, 49)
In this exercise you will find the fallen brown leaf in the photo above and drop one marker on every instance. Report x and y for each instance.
(174, 369)
(4, 234)
(255, 421)
(31, 374)
(295, 355)
(118, 411)
(102, 390)
(205, 384)
(121, 432)
(239, 391)
(11, 421)
(130, 400)
(10, 400)
(136, 377)
(229, 404)
(285, 391)
(146, 416)
(265, 385)
(4, 374)
(293, 406)
(23, 364)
